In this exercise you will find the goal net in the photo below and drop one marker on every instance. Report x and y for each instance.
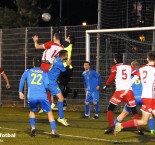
(126, 13)
(133, 43)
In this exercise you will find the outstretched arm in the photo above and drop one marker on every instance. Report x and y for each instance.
(6, 80)
(111, 78)
(128, 88)
(36, 44)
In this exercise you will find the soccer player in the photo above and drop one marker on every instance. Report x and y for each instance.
(53, 75)
(147, 75)
(37, 81)
(92, 82)
(64, 80)
(52, 49)
(5, 78)
(137, 91)
(122, 75)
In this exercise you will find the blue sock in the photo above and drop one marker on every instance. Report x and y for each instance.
(115, 121)
(151, 123)
(87, 107)
(53, 125)
(60, 110)
(96, 109)
(32, 122)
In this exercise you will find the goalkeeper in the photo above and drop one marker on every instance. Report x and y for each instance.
(64, 79)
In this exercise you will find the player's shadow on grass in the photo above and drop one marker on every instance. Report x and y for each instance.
(146, 138)
(78, 126)
(38, 132)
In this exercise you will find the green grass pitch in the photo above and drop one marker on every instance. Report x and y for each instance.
(81, 132)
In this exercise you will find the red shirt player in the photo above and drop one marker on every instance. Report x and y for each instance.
(5, 78)
(52, 49)
(147, 75)
(122, 75)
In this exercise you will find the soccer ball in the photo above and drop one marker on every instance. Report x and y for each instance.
(46, 17)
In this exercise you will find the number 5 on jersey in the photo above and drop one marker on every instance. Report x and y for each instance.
(124, 74)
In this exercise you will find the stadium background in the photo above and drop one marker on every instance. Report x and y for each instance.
(17, 48)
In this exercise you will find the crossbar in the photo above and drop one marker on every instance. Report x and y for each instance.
(111, 31)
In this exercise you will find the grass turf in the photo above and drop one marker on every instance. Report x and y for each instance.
(81, 131)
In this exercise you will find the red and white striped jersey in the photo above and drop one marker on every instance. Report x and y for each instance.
(147, 76)
(122, 75)
(51, 51)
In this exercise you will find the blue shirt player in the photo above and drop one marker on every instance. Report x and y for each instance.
(53, 75)
(92, 81)
(137, 91)
(37, 82)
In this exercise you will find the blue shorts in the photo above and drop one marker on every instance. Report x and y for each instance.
(54, 88)
(138, 102)
(42, 102)
(92, 96)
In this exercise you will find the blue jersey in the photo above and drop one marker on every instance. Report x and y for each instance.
(91, 80)
(57, 68)
(137, 91)
(37, 82)
(137, 88)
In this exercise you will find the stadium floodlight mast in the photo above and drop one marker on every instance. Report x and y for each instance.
(88, 32)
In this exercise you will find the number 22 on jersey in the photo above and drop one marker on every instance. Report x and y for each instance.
(36, 80)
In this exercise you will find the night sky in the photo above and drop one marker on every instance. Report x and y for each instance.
(80, 10)
(74, 12)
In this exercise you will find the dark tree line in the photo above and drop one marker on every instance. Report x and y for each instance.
(23, 13)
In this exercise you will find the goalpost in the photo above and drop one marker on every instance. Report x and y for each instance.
(88, 32)
(134, 43)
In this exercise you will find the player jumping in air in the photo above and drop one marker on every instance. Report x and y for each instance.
(64, 79)
(53, 75)
(51, 51)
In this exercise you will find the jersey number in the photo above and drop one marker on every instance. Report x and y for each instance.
(145, 75)
(55, 53)
(124, 74)
(36, 79)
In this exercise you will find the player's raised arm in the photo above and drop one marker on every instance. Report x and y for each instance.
(36, 44)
